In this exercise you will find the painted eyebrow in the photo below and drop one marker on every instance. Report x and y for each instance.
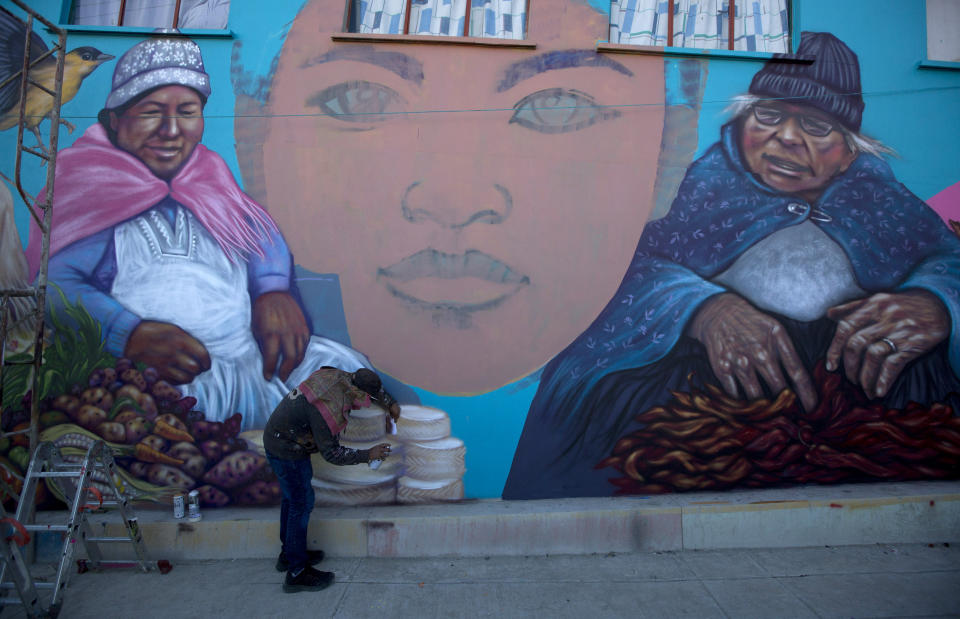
(562, 59)
(407, 67)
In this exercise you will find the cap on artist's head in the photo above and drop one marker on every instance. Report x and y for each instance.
(367, 381)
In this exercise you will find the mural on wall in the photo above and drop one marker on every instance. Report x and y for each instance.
(482, 203)
(465, 215)
(175, 330)
(78, 64)
(793, 318)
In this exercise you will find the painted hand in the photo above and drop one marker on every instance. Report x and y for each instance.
(177, 356)
(878, 335)
(280, 328)
(744, 345)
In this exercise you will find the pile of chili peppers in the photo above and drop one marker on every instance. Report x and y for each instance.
(704, 440)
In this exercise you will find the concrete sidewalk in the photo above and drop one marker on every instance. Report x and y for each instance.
(914, 580)
(855, 550)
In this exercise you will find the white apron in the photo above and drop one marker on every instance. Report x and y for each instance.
(181, 275)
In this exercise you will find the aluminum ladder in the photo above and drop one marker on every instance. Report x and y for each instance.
(14, 536)
(74, 480)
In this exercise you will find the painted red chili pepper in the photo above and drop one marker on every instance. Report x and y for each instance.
(884, 428)
(764, 442)
(825, 456)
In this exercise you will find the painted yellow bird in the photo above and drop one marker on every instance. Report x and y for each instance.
(78, 64)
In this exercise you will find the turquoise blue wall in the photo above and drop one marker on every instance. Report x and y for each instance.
(911, 109)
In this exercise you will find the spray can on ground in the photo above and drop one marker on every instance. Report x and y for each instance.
(193, 506)
(179, 505)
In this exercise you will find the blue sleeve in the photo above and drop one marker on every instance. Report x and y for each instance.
(939, 274)
(272, 271)
(84, 272)
(641, 324)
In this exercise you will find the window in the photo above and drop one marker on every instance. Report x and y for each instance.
(498, 19)
(757, 25)
(943, 24)
(210, 14)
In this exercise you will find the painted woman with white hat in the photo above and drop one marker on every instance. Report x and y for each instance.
(184, 271)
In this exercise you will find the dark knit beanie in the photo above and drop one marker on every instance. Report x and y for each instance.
(831, 83)
(367, 380)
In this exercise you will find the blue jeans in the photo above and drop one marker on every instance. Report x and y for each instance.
(294, 477)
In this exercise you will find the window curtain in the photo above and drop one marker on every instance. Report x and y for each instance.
(759, 25)
(211, 14)
(500, 19)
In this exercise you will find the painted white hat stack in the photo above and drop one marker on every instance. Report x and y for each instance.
(433, 460)
(425, 465)
(359, 484)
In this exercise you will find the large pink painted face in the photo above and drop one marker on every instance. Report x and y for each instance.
(480, 204)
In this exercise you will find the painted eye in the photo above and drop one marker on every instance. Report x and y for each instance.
(767, 115)
(816, 127)
(558, 110)
(357, 102)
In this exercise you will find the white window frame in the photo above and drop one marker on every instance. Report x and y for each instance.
(66, 19)
(941, 18)
(793, 27)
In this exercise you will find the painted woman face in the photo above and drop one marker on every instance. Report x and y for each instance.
(480, 204)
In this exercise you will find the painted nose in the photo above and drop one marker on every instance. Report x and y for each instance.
(169, 126)
(454, 208)
(789, 131)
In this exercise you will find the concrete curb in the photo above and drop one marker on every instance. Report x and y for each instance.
(921, 512)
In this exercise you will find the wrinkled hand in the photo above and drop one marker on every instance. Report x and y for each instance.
(177, 356)
(914, 322)
(379, 452)
(744, 344)
(279, 326)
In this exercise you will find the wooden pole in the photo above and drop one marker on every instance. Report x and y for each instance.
(732, 10)
(466, 18)
(670, 8)
(406, 18)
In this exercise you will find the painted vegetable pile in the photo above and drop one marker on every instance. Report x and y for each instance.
(160, 442)
(706, 440)
(158, 438)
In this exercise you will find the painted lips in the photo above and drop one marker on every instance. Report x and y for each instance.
(165, 152)
(785, 164)
(503, 281)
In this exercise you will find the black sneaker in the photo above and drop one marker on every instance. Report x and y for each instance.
(313, 557)
(307, 580)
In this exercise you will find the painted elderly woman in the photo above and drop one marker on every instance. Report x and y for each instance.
(789, 244)
(184, 271)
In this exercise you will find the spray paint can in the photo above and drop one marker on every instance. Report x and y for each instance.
(193, 506)
(179, 505)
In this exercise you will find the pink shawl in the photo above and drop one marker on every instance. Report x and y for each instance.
(98, 185)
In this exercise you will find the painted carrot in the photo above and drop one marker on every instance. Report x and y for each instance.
(149, 454)
(164, 429)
